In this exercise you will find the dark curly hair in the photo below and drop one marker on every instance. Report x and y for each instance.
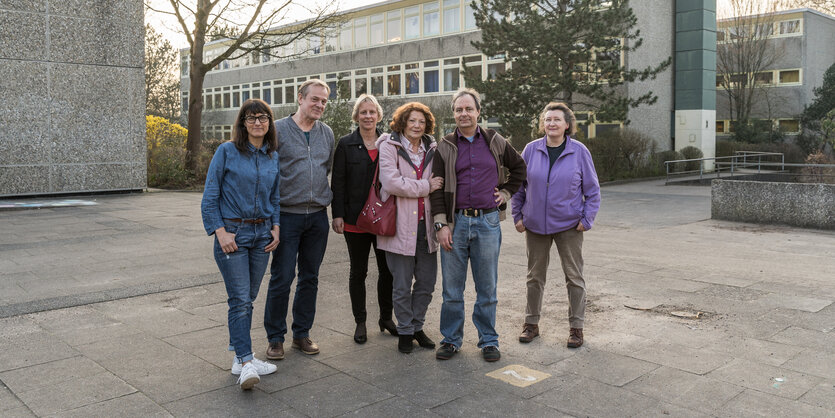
(401, 117)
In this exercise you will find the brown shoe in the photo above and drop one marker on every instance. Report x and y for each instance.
(306, 345)
(275, 351)
(529, 332)
(575, 337)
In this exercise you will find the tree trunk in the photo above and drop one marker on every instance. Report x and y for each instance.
(195, 113)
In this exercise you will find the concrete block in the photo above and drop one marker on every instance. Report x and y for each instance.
(231, 401)
(36, 6)
(24, 179)
(23, 35)
(77, 40)
(135, 404)
(75, 393)
(754, 349)
(698, 361)
(127, 11)
(50, 374)
(82, 325)
(610, 368)
(582, 396)
(332, 395)
(761, 377)
(805, 338)
(685, 389)
(755, 403)
(822, 396)
(488, 404)
(394, 407)
(813, 362)
(796, 204)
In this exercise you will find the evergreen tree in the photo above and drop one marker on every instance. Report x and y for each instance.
(564, 50)
(824, 98)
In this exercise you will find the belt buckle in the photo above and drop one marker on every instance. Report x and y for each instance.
(475, 213)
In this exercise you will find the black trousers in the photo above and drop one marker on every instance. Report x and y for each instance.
(359, 246)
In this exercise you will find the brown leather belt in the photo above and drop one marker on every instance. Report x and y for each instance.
(246, 221)
(472, 213)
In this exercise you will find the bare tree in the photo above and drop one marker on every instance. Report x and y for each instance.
(744, 53)
(240, 27)
(162, 83)
(825, 6)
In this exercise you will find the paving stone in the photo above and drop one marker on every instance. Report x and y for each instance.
(757, 350)
(294, 370)
(332, 395)
(135, 404)
(762, 378)
(374, 362)
(18, 412)
(488, 405)
(229, 402)
(728, 280)
(74, 393)
(818, 321)
(426, 387)
(685, 389)
(752, 403)
(586, 397)
(610, 368)
(801, 303)
(693, 360)
(667, 410)
(31, 348)
(391, 407)
(813, 362)
(50, 374)
(158, 320)
(82, 325)
(8, 400)
(209, 344)
(822, 395)
(806, 338)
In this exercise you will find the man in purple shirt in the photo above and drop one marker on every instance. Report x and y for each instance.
(473, 163)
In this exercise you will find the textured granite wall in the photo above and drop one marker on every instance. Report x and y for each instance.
(807, 205)
(72, 99)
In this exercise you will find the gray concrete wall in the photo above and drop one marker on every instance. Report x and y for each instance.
(72, 99)
(655, 21)
(806, 205)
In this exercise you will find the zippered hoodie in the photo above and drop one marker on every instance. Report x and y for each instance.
(556, 199)
(304, 166)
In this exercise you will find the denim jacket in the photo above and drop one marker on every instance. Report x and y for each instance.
(240, 185)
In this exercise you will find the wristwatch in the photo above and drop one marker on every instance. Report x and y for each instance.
(438, 226)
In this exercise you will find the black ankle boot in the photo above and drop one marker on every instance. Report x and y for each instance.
(405, 343)
(360, 333)
(423, 340)
(388, 325)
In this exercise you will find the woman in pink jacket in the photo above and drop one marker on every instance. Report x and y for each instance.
(405, 163)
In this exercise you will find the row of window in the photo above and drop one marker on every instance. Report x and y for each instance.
(787, 126)
(772, 29)
(405, 24)
(425, 77)
(765, 78)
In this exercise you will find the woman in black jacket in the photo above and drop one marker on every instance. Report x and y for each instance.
(354, 164)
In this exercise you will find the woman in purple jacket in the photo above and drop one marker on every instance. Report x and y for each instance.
(556, 203)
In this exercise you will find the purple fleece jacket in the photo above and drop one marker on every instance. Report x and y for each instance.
(550, 203)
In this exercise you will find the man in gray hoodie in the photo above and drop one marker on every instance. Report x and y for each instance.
(305, 152)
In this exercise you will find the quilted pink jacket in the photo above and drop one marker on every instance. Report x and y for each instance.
(397, 176)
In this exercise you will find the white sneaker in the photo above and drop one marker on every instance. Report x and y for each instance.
(262, 367)
(249, 376)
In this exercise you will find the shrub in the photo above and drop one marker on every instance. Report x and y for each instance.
(757, 131)
(166, 153)
(623, 154)
(792, 152)
(691, 153)
(657, 161)
(818, 174)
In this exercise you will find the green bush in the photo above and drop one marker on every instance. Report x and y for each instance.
(757, 131)
(792, 152)
(657, 161)
(623, 154)
(691, 153)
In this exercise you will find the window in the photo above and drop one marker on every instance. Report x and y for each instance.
(266, 95)
(412, 79)
(764, 78)
(315, 45)
(184, 65)
(277, 94)
(360, 33)
(377, 81)
(332, 87)
(360, 83)
(473, 66)
(256, 94)
(411, 22)
(376, 30)
(469, 17)
(789, 125)
(393, 26)
(344, 85)
(227, 100)
(430, 77)
(330, 41)
(493, 70)
(605, 128)
(185, 101)
(289, 95)
(720, 126)
(452, 13)
(393, 80)
(431, 19)
(789, 76)
(720, 35)
(790, 26)
(345, 38)
(236, 99)
(452, 79)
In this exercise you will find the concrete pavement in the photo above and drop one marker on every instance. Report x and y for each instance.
(118, 309)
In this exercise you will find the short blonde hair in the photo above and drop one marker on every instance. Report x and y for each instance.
(305, 87)
(567, 114)
(366, 98)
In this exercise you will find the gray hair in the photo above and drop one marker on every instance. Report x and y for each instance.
(463, 91)
(305, 87)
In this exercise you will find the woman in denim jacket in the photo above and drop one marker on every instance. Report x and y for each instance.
(556, 203)
(241, 208)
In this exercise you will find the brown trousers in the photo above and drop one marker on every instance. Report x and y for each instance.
(570, 249)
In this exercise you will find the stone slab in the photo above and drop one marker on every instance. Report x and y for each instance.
(685, 389)
(332, 395)
(813, 362)
(580, 396)
(822, 395)
(78, 392)
(135, 404)
(757, 350)
(689, 359)
(396, 406)
(609, 368)
(230, 401)
(486, 404)
(764, 378)
(752, 403)
(806, 338)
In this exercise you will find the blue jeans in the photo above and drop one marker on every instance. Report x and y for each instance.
(242, 272)
(478, 240)
(303, 237)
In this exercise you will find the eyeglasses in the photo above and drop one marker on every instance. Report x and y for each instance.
(251, 119)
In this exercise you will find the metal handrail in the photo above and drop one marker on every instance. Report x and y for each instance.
(734, 162)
